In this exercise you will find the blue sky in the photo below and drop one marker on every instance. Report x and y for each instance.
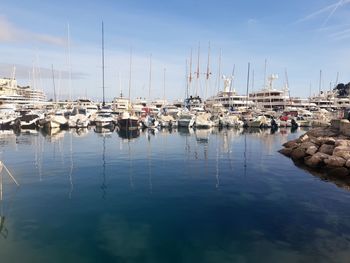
(301, 37)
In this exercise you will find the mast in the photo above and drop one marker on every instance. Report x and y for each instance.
(265, 72)
(190, 76)
(130, 76)
(247, 85)
(197, 73)
(208, 73)
(233, 74)
(103, 67)
(150, 78)
(69, 64)
(53, 82)
(219, 72)
(187, 79)
(164, 87)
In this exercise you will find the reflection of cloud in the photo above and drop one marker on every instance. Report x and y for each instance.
(11, 33)
(22, 72)
(124, 240)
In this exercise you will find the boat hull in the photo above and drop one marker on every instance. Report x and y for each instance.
(128, 124)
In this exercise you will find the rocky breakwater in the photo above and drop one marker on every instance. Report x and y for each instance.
(325, 148)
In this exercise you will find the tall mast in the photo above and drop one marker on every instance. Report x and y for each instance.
(208, 73)
(187, 79)
(130, 74)
(233, 77)
(190, 76)
(103, 66)
(219, 72)
(253, 79)
(150, 78)
(197, 73)
(247, 85)
(69, 64)
(319, 83)
(265, 72)
(53, 82)
(164, 86)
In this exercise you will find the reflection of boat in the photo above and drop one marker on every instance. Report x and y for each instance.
(103, 130)
(128, 134)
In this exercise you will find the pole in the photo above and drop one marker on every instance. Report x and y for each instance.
(103, 67)
(247, 85)
(53, 81)
(150, 78)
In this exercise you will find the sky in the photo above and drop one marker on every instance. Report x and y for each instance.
(297, 39)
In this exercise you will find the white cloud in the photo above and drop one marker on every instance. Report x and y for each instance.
(330, 8)
(11, 33)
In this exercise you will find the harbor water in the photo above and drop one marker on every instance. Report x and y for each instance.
(166, 196)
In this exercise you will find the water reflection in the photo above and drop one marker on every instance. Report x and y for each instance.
(128, 134)
(173, 196)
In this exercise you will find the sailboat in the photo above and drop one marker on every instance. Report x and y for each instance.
(127, 120)
(104, 115)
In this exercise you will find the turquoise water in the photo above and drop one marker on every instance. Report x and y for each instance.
(179, 196)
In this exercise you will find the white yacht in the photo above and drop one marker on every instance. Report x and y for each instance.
(121, 104)
(270, 98)
(229, 99)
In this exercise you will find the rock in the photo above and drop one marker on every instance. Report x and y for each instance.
(306, 145)
(342, 142)
(303, 138)
(342, 151)
(334, 161)
(338, 172)
(347, 164)
(322, 132)
(326, 140)
(291, 144)
(316, 160)
(298, 153)
(311, 150)
(286, 151)
(326, 148)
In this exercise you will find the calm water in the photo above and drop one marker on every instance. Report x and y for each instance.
(184, 196)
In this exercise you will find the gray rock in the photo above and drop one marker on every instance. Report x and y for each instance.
(323, 132)
(342, 142)
(347, 164)
(306, 145)
(311, 150)
(342, 151)
(298, 153)
(334, 161)
(326, 140)
(286, 151)
(291, 144)
(326, 148)
(316, 160)
(303, 138)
